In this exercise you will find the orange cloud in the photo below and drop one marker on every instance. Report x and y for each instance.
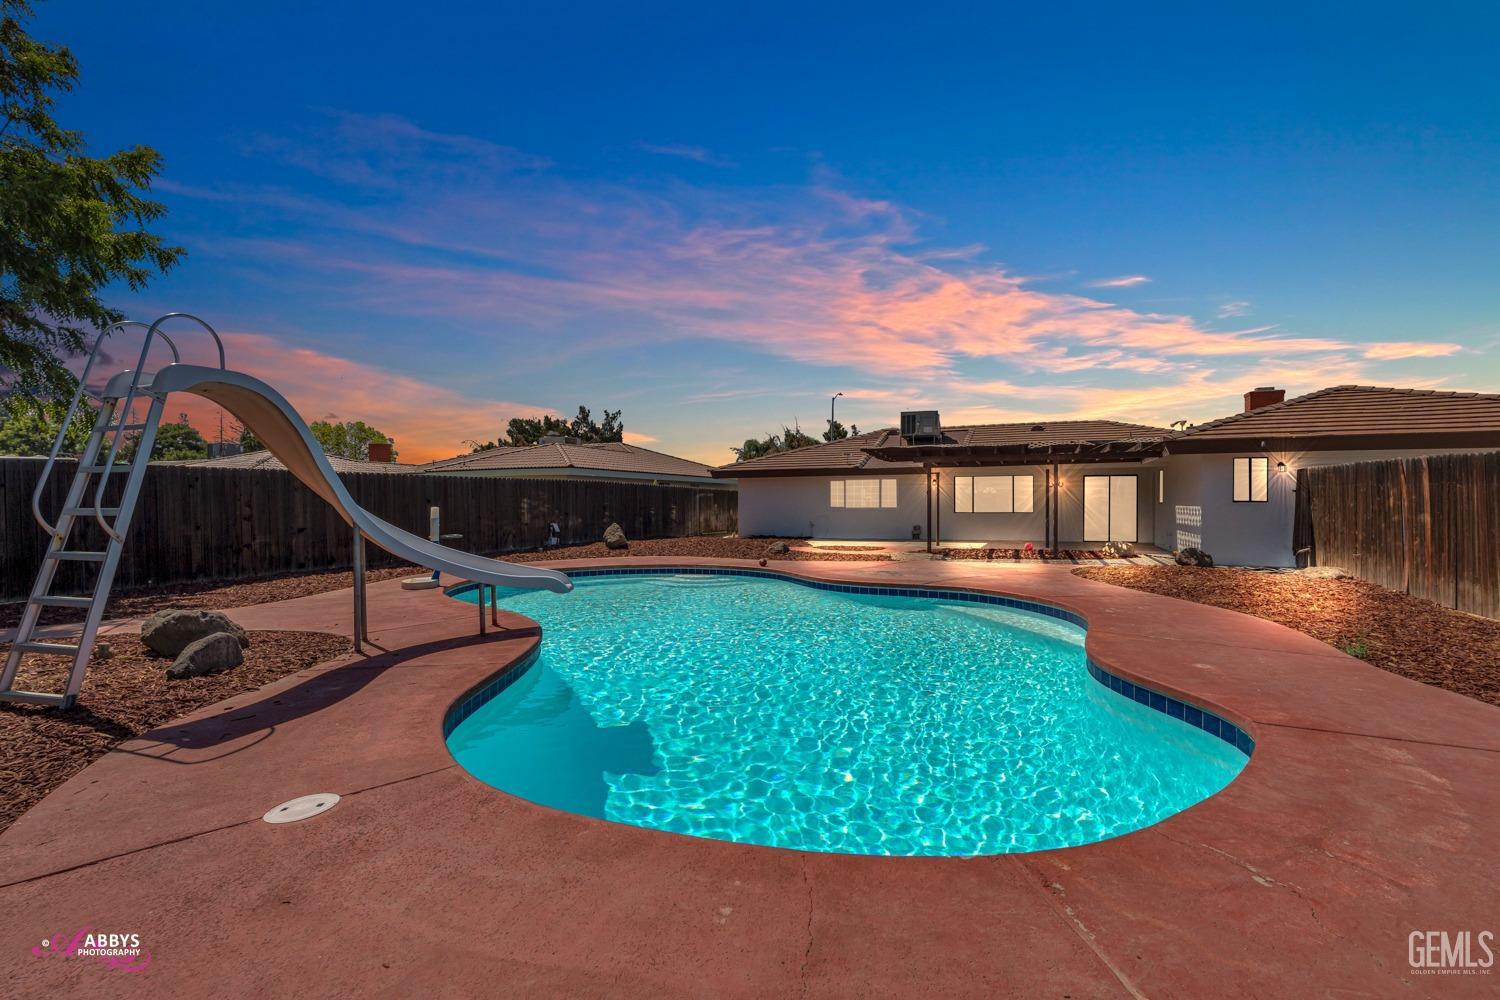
(427, 421)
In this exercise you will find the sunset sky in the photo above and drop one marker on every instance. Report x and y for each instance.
(434, 219)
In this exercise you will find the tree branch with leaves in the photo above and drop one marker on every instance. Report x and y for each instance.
(70, 224)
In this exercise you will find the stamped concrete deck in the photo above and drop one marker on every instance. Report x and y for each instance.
(1370, 809)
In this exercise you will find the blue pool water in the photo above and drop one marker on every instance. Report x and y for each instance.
(760, 711)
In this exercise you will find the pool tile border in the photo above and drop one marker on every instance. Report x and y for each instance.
(471, 700)
(1199, 718)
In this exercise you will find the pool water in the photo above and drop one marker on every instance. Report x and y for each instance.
(765, 712)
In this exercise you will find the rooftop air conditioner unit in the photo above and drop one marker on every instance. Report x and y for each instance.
(921, 425)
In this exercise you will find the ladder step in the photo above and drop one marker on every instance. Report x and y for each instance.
(89, 511)
(61, 601)
(73, 556)
(127, 427)
(47, 647)
(37, 698)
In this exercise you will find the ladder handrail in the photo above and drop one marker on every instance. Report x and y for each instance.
(124, 412)
(67, 423)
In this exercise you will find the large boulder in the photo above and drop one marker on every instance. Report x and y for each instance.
(778, 548)
(170, 632)
(211, 654)
(614, 537)
(1194, 557)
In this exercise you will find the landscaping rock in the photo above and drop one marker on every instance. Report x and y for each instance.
(1324, 572)
(170, 632)
(1194, 557)
(614, 537)
(211, 654)
(777, 548)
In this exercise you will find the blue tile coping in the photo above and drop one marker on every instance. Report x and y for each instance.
(1200, 718)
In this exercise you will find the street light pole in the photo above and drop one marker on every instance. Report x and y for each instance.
(833, 400)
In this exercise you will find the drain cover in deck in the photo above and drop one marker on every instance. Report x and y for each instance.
(305, 807)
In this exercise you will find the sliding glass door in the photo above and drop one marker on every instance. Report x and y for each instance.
(1109, 511)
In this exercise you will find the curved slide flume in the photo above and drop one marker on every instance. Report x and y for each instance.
(277, 424)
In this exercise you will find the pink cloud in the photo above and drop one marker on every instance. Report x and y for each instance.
(450, 226)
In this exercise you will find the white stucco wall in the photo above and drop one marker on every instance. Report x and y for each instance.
(798, 506)
(1246, 534)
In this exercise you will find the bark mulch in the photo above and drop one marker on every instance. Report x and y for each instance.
(213, 596)
(720, 548)
(123, 696)
(1397, 632)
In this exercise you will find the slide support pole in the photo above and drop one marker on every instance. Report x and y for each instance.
(360, 627)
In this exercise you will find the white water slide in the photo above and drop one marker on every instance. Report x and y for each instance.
(267, 414)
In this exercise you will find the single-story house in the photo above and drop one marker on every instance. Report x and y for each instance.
(1227, 486)
(558, 457)
(264, 460)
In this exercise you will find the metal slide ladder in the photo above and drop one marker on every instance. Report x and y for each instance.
(98, 461)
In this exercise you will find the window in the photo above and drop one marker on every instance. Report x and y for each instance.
(1252, 477)
(862, 493)
(1161, 485)
(992, 494)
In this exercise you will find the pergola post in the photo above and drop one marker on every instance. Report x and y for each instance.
(927, 475)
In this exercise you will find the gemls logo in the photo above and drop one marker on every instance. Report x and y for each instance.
(1438, 953)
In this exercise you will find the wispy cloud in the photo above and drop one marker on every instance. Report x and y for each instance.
(1399, 350)
(488, 240)
(1232, 309)
(697, 154)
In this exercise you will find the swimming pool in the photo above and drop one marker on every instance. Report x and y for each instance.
(764, 711)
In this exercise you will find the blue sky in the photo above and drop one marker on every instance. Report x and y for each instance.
(436, 217)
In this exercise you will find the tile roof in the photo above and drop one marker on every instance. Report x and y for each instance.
(264, 460)
(852, 454)
(614, 456)
(1345, 414)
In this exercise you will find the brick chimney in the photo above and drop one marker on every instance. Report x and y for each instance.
(380, 451)
(1262, 396)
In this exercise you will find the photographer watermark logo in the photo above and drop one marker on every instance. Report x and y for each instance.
(1451, 953)
(114, 950)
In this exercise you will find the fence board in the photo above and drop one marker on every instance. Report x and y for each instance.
(1425, 526)
(194, 523)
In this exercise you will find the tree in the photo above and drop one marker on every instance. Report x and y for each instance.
(771, 444)
(246, 437)
(29, 426)
(522, 431)
(70, 224)
(349, 439)
(837, 432)
(177, 442)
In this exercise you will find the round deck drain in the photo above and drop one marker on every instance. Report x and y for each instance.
(303, 807)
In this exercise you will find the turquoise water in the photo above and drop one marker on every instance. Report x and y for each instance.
(764, 712)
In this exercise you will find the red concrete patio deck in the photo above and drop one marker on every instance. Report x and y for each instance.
(1371, 809)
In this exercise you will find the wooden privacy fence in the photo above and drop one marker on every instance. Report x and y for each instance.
(194, 523)
(1426, 526)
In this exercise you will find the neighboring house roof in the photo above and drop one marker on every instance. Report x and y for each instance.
(264, 460)
(886, 451)
(1355, 416)
(609, 457)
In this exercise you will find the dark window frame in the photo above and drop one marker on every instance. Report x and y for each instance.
(1250, 478)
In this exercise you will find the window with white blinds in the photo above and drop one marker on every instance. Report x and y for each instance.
(862, 493)
(992, 494)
